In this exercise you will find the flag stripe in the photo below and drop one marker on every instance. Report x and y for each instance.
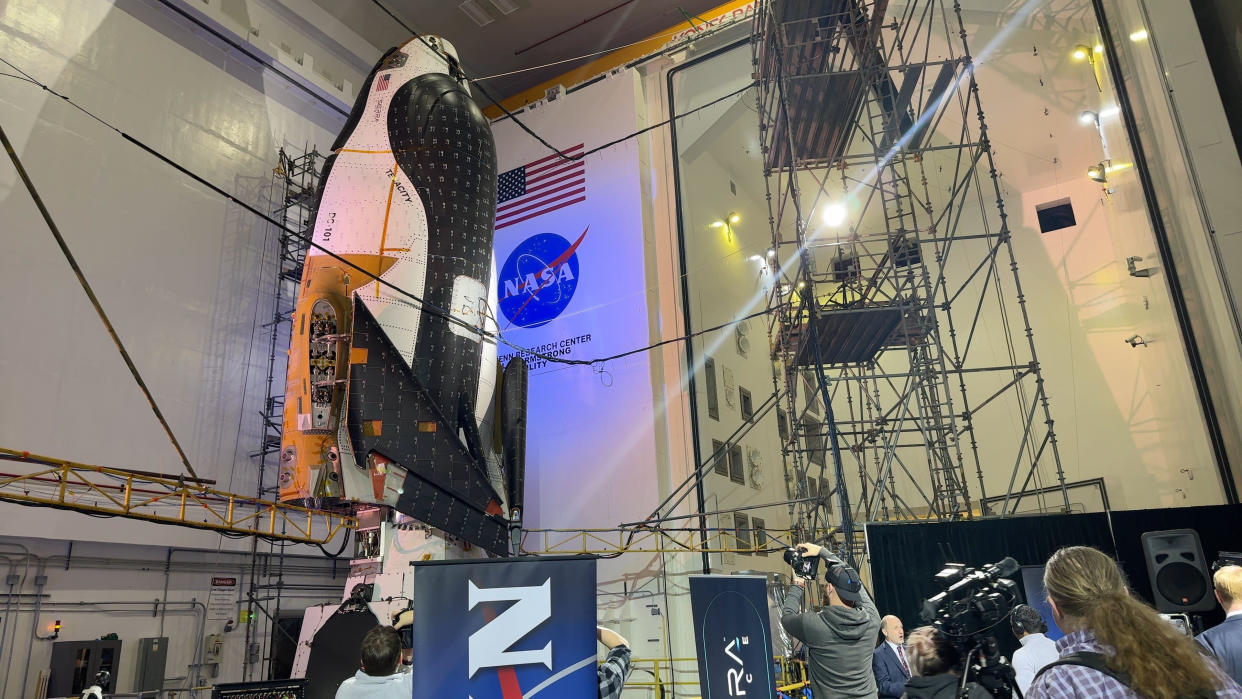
(533, 173)
(534, 205)
(543, 185)
(532, 181)
(566, 151)
(543, 190)
(540, 213)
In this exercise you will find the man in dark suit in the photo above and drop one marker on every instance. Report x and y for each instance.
(891, 666)
(1225, 639)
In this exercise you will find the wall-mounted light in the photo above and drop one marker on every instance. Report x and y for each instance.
(1137, 36)
(1081, 52)
(727, 224)
(1088, 117)
(771, 252)
(1098, 172)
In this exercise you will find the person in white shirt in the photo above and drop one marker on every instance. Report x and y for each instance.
(380, 676)
(1037, 649)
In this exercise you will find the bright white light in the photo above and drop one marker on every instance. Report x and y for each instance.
(756, 258)
(834, 214)
(1109, 112)
(1087, 117)
(1140, 35)
(771, 252)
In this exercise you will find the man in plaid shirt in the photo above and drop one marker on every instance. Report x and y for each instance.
(1117, 646)
(616, 667)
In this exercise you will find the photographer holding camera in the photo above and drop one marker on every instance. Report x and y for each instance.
(839, 637)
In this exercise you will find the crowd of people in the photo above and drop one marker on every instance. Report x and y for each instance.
(1115, 646)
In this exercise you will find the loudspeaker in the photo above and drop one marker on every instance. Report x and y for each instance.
(1180, 582)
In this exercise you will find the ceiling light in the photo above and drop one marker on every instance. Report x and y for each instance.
(801, 284)
(734, 218)
(834, 214)
(476, 12)
(755, 258)
(1140, 35)
(1081, 52)
(771, 252)
(1088, 117)
(1098, 172)
(506, 7)
(717, 224)
(1099, 48)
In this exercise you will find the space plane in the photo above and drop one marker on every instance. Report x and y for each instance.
(397, 399)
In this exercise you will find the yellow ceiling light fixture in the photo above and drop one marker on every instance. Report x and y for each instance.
(1081, 52)
(734, 218)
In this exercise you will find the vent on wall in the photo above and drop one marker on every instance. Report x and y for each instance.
(1055, 215)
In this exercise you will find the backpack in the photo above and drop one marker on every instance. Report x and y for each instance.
(1099, 663)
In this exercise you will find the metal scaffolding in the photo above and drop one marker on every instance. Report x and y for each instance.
(890, 274)
(294, 184)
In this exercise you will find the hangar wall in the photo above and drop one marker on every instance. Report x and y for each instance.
(97, 589)
(180, 271)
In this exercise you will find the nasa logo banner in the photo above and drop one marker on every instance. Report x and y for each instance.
(733, 637)
(505, 628)
(539, 278)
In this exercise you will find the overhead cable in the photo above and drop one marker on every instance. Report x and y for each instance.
(428, 307)
(90, 294)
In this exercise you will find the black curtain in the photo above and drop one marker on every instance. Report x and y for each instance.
(905, 556)
(1219, 528)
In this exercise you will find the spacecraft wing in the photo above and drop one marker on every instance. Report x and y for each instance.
(392, 417)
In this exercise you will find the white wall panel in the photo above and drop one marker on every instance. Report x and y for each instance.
(184, 275)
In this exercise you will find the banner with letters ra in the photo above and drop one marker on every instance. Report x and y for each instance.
(733, 637)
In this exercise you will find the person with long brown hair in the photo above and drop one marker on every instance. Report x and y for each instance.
(1115, 645)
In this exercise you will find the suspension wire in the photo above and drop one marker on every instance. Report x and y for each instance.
(90, 294)
(521, 125)
(419, 301)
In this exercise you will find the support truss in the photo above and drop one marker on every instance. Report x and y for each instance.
(98, 490)
(895, 268)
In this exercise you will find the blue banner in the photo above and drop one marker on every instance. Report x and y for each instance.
(505, 628)
(732, 633)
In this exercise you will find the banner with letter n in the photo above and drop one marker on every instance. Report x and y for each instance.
(505, 628)
(731, 630)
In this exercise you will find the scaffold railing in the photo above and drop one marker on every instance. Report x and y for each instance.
(159, 498)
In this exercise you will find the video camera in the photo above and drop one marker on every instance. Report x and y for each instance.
(973, 599)
(972, 602)
(804, 566)
(1226, 558)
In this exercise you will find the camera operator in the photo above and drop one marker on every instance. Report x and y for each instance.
(934, 662)
(1115, 645)
(1225, 639)
(839, 638)
(1037, 649)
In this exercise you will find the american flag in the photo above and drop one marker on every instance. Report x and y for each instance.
(539, 187)
(382, 83)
